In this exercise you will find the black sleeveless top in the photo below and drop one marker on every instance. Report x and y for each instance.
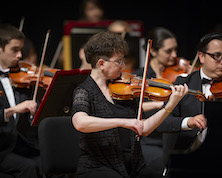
(115, 148)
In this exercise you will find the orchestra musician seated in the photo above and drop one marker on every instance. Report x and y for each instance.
(18, 156)
(108, 127)
(186, 124)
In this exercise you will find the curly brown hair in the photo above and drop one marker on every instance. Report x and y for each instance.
(104, 45)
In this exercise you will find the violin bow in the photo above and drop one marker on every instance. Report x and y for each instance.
(41, 64)
(194, 62)
(21, 24)
(56, 55)
(139, 115)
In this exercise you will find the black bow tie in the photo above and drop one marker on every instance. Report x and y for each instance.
(4, 74)
(205, 81)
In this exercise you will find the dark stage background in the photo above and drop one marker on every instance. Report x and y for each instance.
(189, 20)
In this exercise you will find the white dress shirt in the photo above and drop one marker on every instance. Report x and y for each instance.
(8, 89)
(201, 134)
(206, 91)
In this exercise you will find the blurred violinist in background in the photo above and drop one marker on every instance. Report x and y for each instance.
(163, 54)
(84, 64)
(91, 11)
(29, 53)
(163, 51)
(123, 28)
(164, 62)
(120, 26)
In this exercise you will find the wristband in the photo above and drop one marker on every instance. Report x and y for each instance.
(167, 110)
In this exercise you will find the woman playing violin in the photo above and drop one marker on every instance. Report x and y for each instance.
(108, 128)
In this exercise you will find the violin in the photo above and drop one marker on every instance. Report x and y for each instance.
(128, 87)
(216, 90)
(181, 67)
(25, 75)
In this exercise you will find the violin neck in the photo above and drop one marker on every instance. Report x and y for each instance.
(167, 86)
(197, 93)
(158, 84)
(193, 92)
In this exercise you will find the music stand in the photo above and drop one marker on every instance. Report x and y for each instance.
(57, 100)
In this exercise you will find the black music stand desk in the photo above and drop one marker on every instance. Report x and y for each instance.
(57, 100)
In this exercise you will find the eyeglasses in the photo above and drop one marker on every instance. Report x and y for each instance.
(119, 62)
(216, 56)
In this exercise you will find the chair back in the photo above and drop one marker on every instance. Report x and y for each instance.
(59, 145)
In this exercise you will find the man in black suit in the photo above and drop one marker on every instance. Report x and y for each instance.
(11, 141)
(186, 124)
